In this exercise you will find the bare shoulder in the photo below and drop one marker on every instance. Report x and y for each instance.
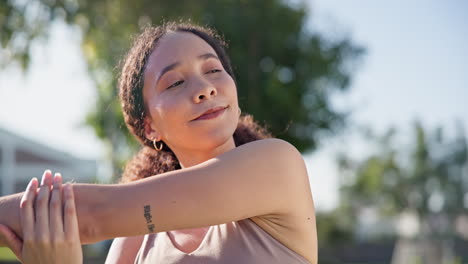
(274, 151)
(296, 227)
(278, 166)
(271, 144)
(124, 250)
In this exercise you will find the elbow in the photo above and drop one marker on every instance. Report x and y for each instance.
(289, 155)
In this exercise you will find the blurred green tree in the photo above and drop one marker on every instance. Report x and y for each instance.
(428, 178)
(285, 73)
(334, 228)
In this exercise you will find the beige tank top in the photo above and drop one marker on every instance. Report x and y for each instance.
(232, 243)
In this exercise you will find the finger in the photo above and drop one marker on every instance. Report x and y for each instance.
(12, 240)
(42, 207)
(55, 208)
(70, 219)
(27, 210)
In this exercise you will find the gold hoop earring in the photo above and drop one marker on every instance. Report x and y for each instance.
(156, 147)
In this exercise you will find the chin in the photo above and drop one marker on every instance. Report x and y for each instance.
(215, 138)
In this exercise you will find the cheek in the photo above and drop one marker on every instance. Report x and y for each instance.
(229, 86)
(170, 110)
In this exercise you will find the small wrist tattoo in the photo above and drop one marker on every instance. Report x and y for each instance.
(149, 218)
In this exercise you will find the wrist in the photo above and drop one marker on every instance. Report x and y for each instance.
(90, 201)
(10, 212)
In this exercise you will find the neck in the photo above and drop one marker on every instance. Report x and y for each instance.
(189, 157)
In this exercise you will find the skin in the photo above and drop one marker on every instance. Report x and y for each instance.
(49, 224)
(196, 85)
(265, 180)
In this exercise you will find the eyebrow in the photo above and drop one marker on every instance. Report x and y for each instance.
(177, 64)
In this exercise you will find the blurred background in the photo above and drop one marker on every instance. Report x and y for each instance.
(374, 94)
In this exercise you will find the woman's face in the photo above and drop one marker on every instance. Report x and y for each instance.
(183, 79)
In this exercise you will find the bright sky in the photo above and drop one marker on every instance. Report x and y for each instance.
(415, 68)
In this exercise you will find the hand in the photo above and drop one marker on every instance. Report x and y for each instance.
(50, 228)
(9, 239)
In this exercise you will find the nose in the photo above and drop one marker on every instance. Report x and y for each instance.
(203, 90)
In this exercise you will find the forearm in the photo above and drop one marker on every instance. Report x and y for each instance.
(88, 198)
(10, 213)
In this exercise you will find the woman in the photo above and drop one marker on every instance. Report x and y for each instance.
(214, 198)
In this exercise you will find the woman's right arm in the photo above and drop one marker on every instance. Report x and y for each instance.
(88, 199)
(9, 214)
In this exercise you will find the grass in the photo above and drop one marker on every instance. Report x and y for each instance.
(6, 254)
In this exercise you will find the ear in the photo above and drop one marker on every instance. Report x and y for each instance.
(150, 130)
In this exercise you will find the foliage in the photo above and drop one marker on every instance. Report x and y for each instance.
(6, 254)
(334, 228)
(428, 178)
(285, 73)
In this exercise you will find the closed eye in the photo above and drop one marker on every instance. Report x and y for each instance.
(176, 84)
(214, 71)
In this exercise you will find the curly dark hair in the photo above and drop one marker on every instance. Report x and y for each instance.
(148, 161)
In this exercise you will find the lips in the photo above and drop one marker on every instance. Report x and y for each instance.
(211, 112)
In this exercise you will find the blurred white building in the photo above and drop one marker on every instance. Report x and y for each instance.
(22, 159)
